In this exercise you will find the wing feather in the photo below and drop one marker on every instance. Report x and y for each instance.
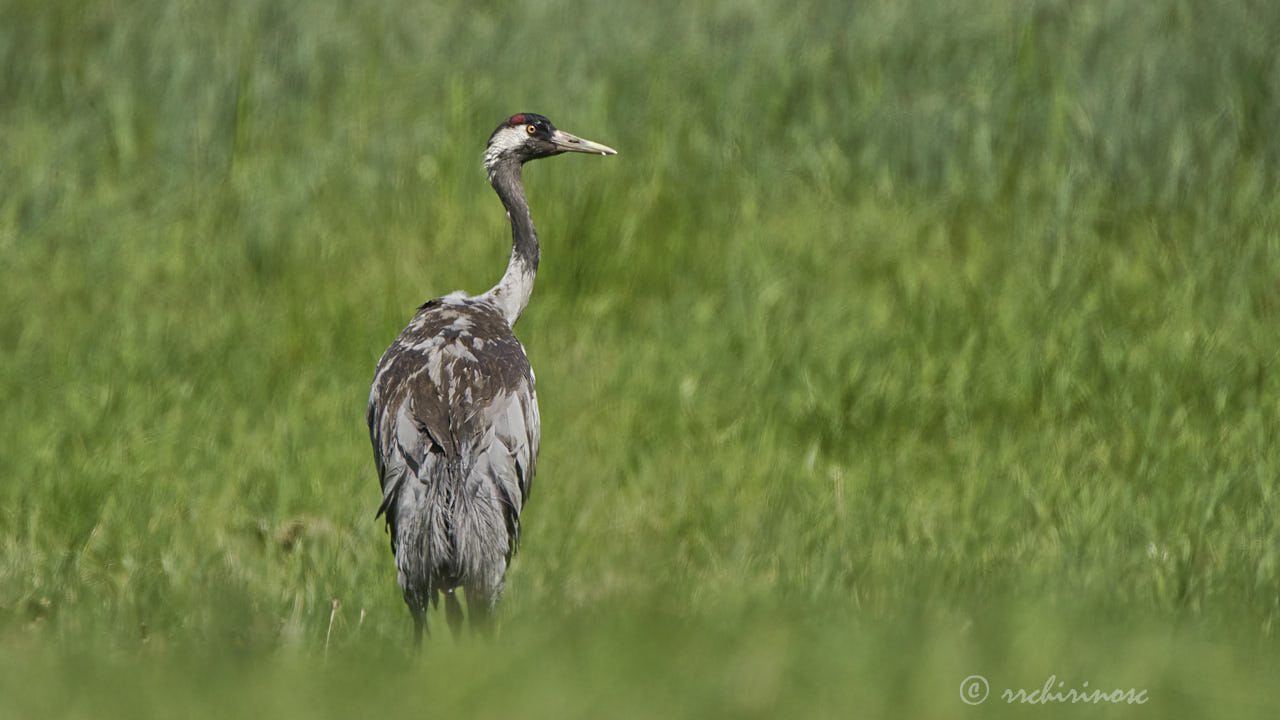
(456, 382)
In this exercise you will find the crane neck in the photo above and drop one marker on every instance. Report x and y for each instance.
(511, 294)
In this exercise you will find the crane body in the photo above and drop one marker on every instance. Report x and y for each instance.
(453, 413)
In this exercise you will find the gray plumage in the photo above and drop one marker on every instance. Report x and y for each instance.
(453, 413)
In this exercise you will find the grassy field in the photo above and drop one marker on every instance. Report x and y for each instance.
(902, 342)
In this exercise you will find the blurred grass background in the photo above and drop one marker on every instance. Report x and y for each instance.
(902, 342)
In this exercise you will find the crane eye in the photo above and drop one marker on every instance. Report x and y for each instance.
(530, 129)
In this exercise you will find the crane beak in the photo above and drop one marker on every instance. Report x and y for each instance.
(565, 142)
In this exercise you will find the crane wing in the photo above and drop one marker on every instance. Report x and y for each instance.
(454, 398)
(507, 452)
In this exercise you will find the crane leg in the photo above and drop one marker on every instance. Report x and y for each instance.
(453, 611)
(481, 604)
(419, 628)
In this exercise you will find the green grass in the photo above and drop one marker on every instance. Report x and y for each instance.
(901, 342)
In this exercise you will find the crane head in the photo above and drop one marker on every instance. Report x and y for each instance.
(528, 136)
